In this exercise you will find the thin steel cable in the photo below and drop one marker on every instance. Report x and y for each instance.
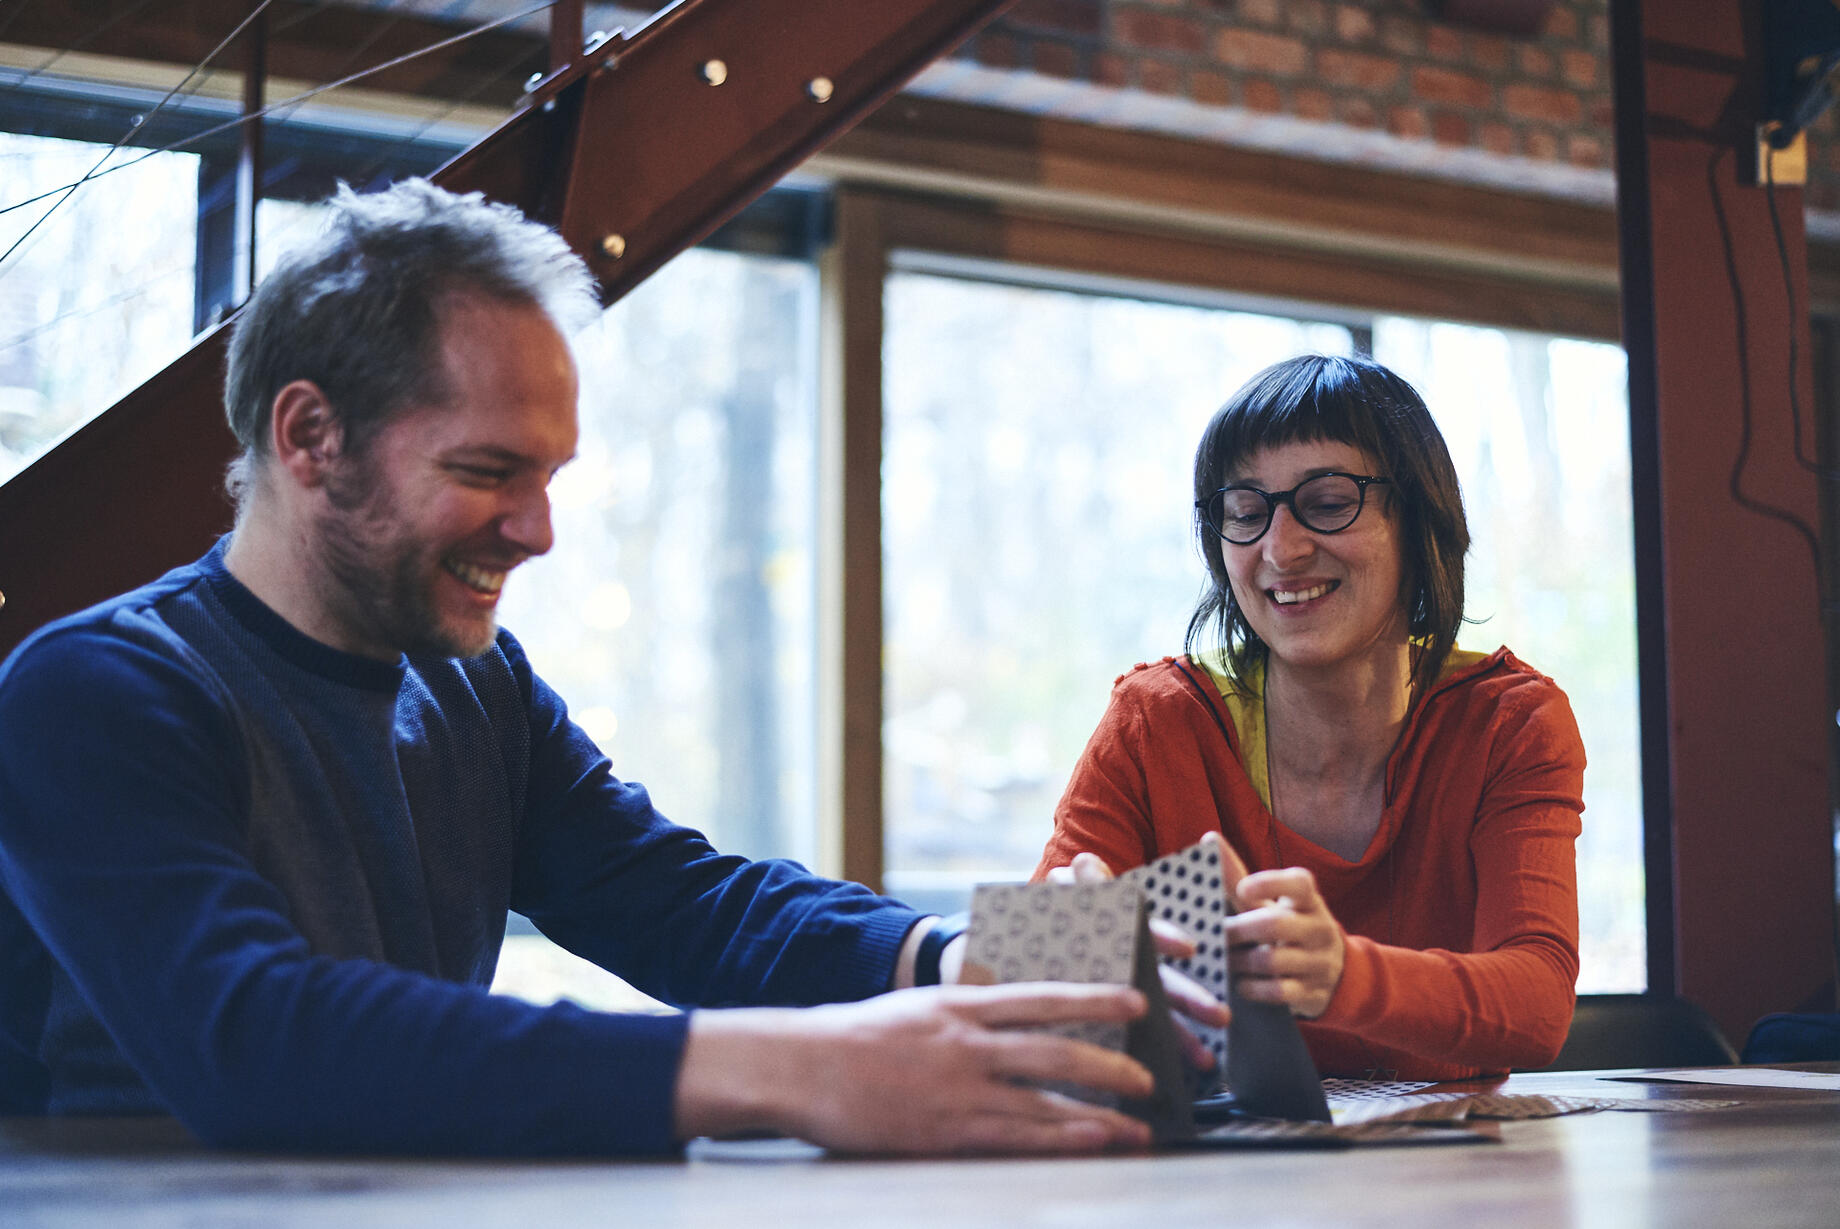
(378, 160)
(371, 166)
(71, 191)
(286, 103)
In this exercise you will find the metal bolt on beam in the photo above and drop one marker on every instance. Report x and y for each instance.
(820, 89)
(715, 72)
(614, 246)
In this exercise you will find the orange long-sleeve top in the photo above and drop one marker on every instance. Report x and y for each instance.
(1461, 916)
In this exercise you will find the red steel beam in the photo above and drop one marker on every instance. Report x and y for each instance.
(1737, 725)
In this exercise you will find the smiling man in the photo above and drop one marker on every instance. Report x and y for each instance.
(261, 821)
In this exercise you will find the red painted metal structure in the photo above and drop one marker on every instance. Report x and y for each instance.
(1737, 723)
(634, 150)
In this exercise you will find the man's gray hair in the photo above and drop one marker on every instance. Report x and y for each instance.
(358, 311)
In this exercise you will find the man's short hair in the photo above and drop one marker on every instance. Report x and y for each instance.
(358, 311)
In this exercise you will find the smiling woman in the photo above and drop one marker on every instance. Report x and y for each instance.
(1408, 810)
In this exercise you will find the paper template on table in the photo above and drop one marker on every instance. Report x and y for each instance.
(1091, 933)
(1750, 1077)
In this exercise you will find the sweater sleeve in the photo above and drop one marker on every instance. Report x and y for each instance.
(1106, 807)
(1508, 1001)
(120, 844)
(602, 873)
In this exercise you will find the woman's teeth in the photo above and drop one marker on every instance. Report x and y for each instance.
(1290, 597)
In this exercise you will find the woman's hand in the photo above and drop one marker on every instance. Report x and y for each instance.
(1186, 995)
(1284, 945)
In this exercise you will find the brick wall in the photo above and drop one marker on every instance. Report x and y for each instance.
(1371, 64)
(1378, 65)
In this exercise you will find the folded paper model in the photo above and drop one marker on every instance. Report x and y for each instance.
(1099, 932)
(1089, 932)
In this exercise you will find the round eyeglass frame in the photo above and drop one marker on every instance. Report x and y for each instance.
(1205, 507)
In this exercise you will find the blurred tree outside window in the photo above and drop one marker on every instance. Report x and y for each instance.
(1037, 509)
(675, 614)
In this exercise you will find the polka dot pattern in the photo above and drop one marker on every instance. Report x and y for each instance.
(1185, 888)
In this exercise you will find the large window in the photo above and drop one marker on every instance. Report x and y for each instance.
(1036, 509)
(675, 613)
(1539, 429)
(1036, 543)
(98, 295)
(1037, 429)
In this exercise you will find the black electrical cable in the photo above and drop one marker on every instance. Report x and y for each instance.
(1784, 515)
(1782, 256)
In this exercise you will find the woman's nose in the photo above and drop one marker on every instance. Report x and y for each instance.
(1287, 541)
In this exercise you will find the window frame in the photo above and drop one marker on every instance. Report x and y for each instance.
(1081, 202)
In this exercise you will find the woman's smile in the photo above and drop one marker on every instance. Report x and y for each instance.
(1319, 599)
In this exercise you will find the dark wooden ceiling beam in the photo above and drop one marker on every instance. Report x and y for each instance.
(307, 42)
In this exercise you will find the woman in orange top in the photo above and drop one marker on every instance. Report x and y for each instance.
(1408, 810)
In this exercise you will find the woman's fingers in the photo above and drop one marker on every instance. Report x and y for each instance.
(1232, 867)
(1172, 942)
(1286, 947)
(1085, 868)
(1293, 883)
(1280, 924)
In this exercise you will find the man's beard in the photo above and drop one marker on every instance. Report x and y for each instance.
(384, 580)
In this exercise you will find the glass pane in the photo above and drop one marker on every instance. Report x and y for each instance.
(1036, 507)
(1022, 424)
(99, 297)
(675, 614)
(282, 226)
(1539, 429)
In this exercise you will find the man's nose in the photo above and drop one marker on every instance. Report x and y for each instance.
(527, 526)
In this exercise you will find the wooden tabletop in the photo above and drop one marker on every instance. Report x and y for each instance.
(1772, 1160)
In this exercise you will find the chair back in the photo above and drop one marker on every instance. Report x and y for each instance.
(1641, 1030)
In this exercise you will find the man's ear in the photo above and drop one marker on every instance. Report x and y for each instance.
(304, 432)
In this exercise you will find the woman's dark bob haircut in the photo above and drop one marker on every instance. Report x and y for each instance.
(1347, 401)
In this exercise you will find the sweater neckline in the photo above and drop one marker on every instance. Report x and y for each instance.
(289, 641)
(1243, 714)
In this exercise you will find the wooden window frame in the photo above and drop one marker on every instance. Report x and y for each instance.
(1181, 216)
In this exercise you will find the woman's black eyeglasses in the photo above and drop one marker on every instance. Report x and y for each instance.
(1325, 503)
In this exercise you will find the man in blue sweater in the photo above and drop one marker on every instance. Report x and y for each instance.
(261, 820)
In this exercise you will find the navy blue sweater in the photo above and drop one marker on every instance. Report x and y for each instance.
(261, 884)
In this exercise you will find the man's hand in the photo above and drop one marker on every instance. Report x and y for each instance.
(1285, 946)
(929, 1070)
